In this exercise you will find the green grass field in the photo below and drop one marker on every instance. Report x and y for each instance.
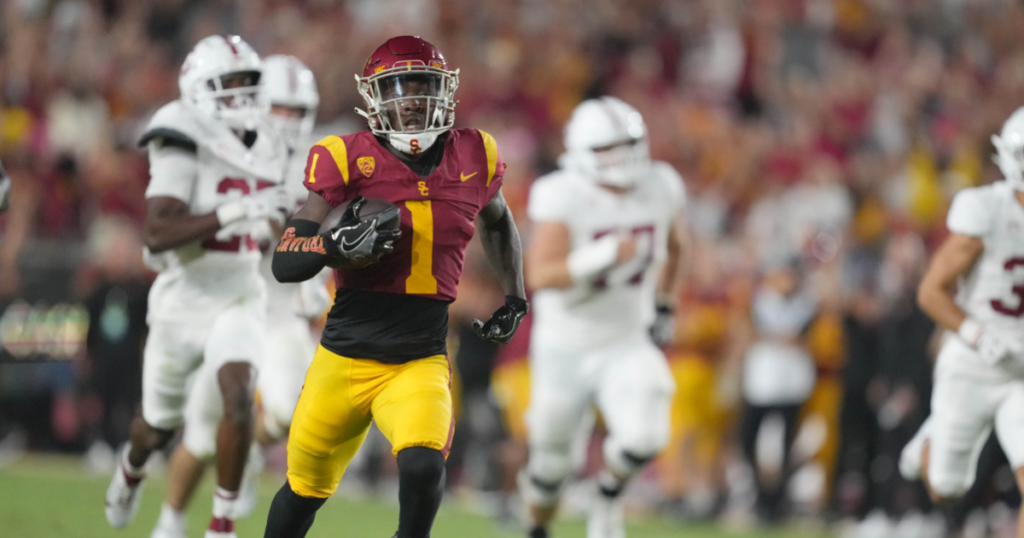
(54, 497)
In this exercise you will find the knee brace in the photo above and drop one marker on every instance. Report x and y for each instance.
(542, 481)
(624, 461)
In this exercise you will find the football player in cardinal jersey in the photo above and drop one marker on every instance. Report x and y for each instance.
(216, 169)
(603, 262)
(289, 90)
(974, 288)
(383, 353)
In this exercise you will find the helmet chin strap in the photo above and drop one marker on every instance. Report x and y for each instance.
(413, 144)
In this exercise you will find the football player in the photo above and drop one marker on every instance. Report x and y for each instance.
(289, 89)
(5, 190)
(383, 354)
(215, 172)
(606, 248)
(974, 288)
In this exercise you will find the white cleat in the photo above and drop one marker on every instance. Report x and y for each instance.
(221, 527)
(910, 458)
(123, 495)
(249, 491)
(605, 519)
(171, 524)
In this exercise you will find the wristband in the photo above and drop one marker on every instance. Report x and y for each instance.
(230, 212)
(587, 262)
(970, 331)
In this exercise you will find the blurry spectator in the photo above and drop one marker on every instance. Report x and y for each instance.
(778, 377)
(117, 311)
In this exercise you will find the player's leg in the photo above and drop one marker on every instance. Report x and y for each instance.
(1009, 425)
(172, 353)
(635, 398)
(560, 396)
(290, 350)
(330, 423)
(962, 414)
(414, 412)
(203, 412)
(234, 350)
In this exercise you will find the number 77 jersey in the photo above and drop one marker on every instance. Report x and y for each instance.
(619, 303)
(438, 211)
(993, 291)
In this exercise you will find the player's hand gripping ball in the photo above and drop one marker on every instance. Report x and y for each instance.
(360, 232)
(504, 321)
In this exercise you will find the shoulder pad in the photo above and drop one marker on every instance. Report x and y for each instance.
(173, 123)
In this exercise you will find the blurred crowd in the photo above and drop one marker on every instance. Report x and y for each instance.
(820, 141)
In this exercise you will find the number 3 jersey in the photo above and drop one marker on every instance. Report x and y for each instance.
(397, 309)
(620, 302)
(993, 291)
(205, 164)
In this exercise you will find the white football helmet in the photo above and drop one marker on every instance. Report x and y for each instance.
(606, 139)
(1010, 150)
(288, 82)
(220, 79)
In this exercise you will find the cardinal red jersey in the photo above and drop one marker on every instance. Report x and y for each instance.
(438, 211)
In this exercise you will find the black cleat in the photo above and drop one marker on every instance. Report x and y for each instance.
(538, 532)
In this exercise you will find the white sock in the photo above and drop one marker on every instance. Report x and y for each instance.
(171, 517)
(224, 502)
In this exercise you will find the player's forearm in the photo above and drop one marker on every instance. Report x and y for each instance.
(172, 231)
(553, 274)
(938, 303)
(300, 254)
(505, 252)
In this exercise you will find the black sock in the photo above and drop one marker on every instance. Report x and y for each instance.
(537, 532)
(420, 485)
(291, 514)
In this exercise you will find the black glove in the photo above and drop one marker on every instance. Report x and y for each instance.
(664, 327)
(504, 321)
(355, 243)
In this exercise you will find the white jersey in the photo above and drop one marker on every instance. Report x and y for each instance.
(620, 303)
(284, 300)
(993, 291)
(205, 164)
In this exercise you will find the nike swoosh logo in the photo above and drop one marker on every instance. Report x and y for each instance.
(464, 177)
(346, 245)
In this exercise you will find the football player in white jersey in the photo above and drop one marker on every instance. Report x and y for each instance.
(974, 288)
(216, 168)
(289, 89)
(607, 242)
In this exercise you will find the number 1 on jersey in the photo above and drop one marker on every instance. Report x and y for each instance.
(421, 280)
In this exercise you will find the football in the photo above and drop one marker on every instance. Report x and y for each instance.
(391, 216)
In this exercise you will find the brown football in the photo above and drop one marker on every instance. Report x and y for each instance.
(391, 216)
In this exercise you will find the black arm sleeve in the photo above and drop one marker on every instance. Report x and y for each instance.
(300, 255)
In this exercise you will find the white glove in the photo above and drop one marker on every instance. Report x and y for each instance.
(274, 203)
(313, 299)
(992, 343)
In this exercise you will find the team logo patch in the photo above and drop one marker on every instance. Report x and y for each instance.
(366, 165)
(379, 68)
(436, 64)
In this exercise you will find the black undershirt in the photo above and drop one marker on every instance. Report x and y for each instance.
(386, 327)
